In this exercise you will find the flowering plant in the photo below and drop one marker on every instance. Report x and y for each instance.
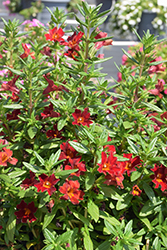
(127, 15)
(81, 166)
(12, 5)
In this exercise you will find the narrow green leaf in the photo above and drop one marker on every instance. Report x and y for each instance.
(133, 146)
(88, 244)
(110, 228)
(5, 178)
(104, 246)
(79, 147)
(17, 173)
(110, 192)
(49, 236)
(66, 172)
(135, 175)
(10, 226)
(147, 223)
(152, 144)
(125, 203)
(41, 160)
(128, 228)
(13, 106)
(34, 168)
(150, 193)
(82, 218)
(61, 123)
(152, 107)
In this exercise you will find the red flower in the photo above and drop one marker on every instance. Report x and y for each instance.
(27, 52)
(46, 51)
(99, 44)
(29, 182)
(164, 115)
(68, 152)
(156, 68)
(75, 164)
(107, 165)
(26, 211)
(160, 176)
(55, 35)
(72, 53)
(132, 163)
(136, 191)
(49, 112)
(54, 133)
(6, 156)
(110, 148)
(51, 86)
(159, 87)
(81, 117)
(14, 115)
(1, 227)
(46, 183)
(10, 86)
(73, 40)
(71, 192)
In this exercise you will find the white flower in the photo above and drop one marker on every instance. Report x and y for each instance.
(125, 27)
(138, 19)
(159, 21)
(165, 15)
(150, 5)
(155, 25)
(132, 22)
(133, 7)
(161, 27)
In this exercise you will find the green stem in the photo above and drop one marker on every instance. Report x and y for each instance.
(140, 74)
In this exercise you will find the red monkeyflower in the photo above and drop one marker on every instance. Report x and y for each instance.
(81, 117)
(49, 112)
(159, 87)
(10, 86)
(73, 40)
(1, 227)
(28, 182)
(26, 211)
(136, 191)
(68, 152)
(27, 52)
(115, 176)
(55, 35)
(46, 51)
(46, 183)
(110, 148)
(71, 53)
(71, 192)
(6, 156)
(3, 142)
(164, 115)
(99, 44)
(14, 97)
(14, 115)
(75, 164)
(132, 163)
(51, 86)
(107, 163)
(160, 176)
(156, 68)
(55, 133)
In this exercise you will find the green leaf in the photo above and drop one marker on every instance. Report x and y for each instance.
(13, 106)
(34, 168)
(135, 175)
(61, 123)
(127, 125)
(5, 178)
(110, 228)
(93, 210)
(79, 147)
(17, 72)
(164, 239)
(89, 181)
(110, 192)
(17, 173)
(150, 193)
(147, 223)
(64, 238)
(128, 228)
(82, 218)
(32, 132)
(104, 246)
(121, 204)
(88, 244)
(49, 217)
(152, 107)
(133, 146)
(152, 144)
(10, 226)
(41, 160)
(66, 172)
(49, 236)
(112, 220)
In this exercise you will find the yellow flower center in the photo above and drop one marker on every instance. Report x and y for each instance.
(47, 184)
(128, 166)
(70, 192)
(80, 120)
(69, 153)
(4, 157)
(27, 211)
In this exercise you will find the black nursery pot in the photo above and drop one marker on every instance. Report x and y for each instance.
(106, 6)
(145, 23)
(26, 4)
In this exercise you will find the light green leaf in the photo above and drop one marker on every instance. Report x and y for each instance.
(61, 123)
(49, 236)
(49, 217)
(93, 210)
(80, 148)
(13, 106)
(125, 203)
(88, 244)
(32, 132)
(10, 226)
(89, 181)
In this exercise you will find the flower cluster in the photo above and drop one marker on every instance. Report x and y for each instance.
(127, 15)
